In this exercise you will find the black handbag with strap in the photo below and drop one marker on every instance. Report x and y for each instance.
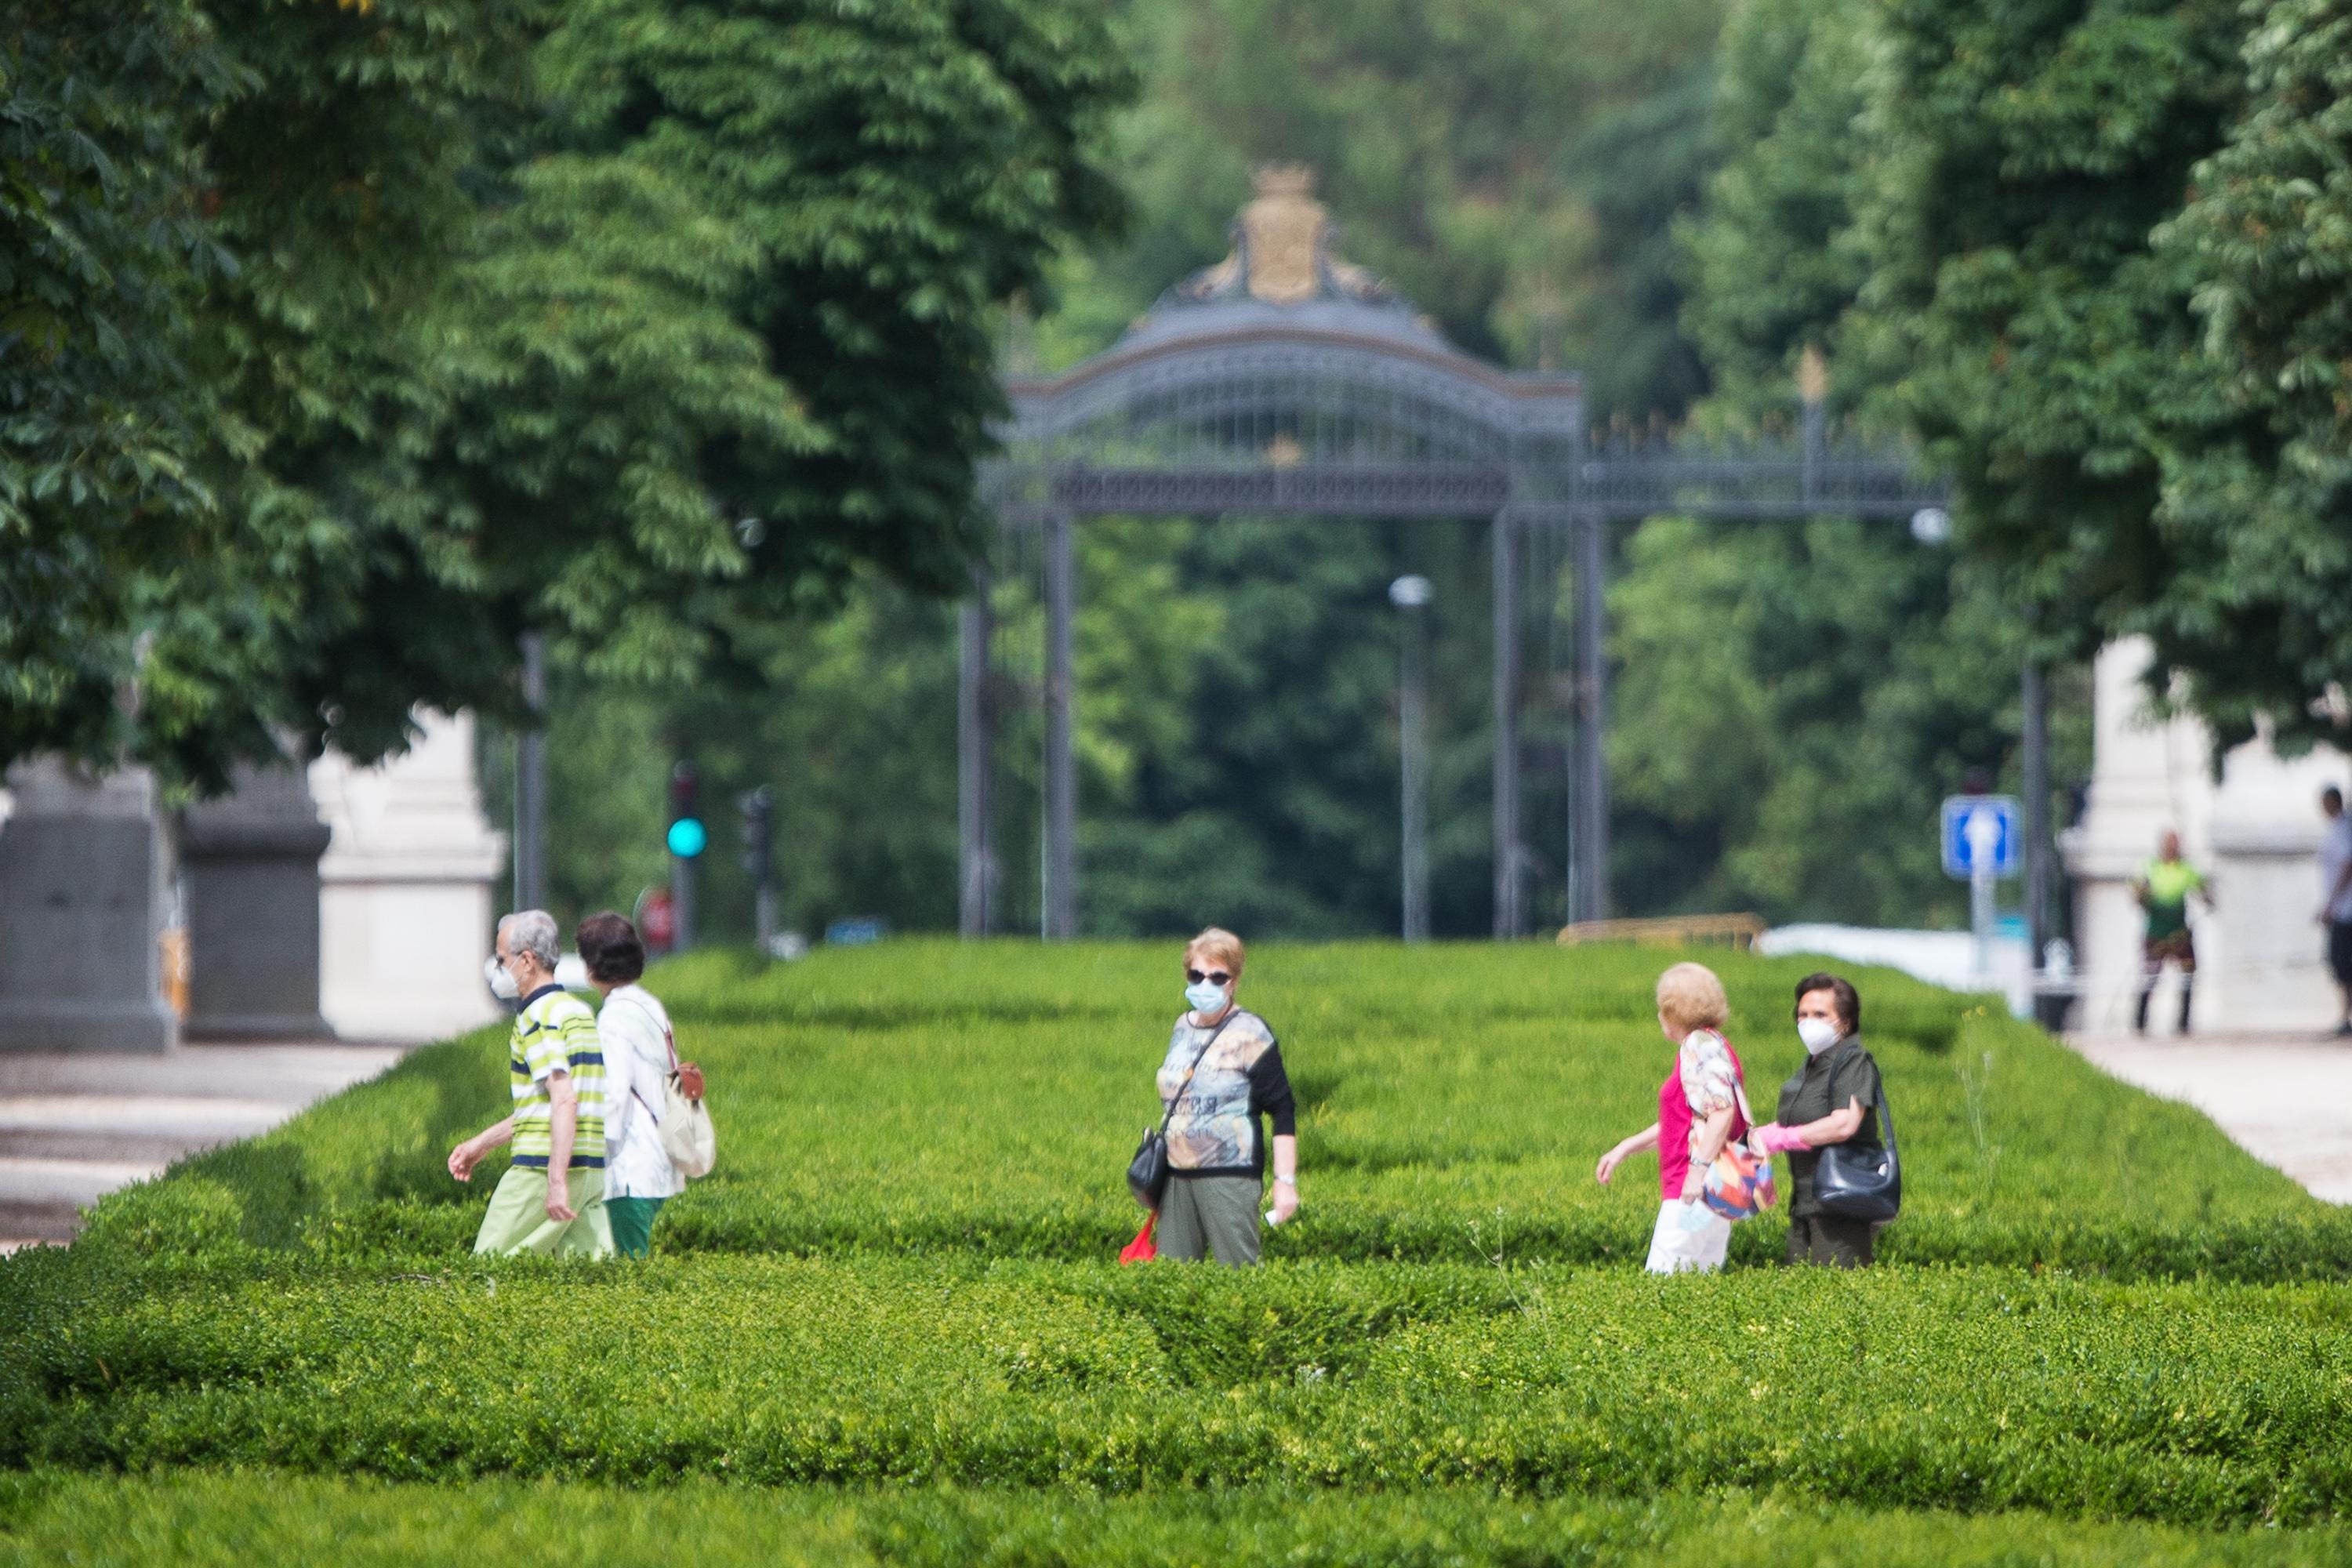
(1147, 1174)
(1855, 1183)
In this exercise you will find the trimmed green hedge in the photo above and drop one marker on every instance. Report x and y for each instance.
(1977, 1389)
(897, 1282)
(927, 1098)
(235, 1520)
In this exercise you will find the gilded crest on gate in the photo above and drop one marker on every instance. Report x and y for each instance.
(1282, 251)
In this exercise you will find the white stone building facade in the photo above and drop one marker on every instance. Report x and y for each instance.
(2255, 833)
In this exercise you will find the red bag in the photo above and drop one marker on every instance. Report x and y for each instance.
(1140, 1250)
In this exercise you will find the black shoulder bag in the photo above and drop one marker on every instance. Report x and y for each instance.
(1147, 1174)
(1852, 1184)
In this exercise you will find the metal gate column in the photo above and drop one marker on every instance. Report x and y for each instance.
(1060, 900)
(531, 781)
(1506, 546)
(974, 732)
(1593, 717)
(2036, 761)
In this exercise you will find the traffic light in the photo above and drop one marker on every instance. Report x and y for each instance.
(759, 810)
(687, 836)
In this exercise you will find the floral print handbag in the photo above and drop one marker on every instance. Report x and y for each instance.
(1739, 1183)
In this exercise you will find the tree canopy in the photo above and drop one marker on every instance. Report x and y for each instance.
(2094, 256)
(346, 344)
(101, 240)
(2257, 513)
(630, 326)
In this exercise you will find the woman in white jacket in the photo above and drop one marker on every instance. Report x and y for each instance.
(639, 1054)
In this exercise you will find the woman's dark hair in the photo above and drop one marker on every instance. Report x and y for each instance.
(610, 947)
(1843, 997)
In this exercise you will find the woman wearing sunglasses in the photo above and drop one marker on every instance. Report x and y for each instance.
(1222, 1071)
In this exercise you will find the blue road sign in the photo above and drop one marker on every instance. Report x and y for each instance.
(1999, 834)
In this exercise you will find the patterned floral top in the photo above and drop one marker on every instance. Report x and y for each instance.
(1709, 1076)
(1215, 1130)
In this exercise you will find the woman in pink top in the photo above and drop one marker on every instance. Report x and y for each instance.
(1698, 1113)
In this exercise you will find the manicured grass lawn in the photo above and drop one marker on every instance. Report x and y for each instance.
(888, 1330)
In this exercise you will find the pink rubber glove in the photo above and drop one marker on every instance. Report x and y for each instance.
(1775, 1139)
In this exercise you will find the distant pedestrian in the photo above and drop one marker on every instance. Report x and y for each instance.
(1698, 1113)
(2336, 899)
(1831, 1102)
(639, 1054)
(551, 1199)
(1223, 1072)
(2164, 889)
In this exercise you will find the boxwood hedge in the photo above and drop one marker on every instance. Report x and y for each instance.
(892, 1309)
(1975, 1389)
(934, 1098)
(232, 1520)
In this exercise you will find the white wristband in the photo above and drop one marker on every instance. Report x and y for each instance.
(1286, 1181)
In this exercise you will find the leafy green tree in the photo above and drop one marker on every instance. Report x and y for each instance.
(1857, 676)
(902, 171)
(643, 365)
(1795, 699)
(2048, 342)
(103, 239)
(1772, 255)
(2257, 515)
(1640, 168)
(339, 177)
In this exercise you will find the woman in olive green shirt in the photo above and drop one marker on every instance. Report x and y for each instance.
(1830, 1100)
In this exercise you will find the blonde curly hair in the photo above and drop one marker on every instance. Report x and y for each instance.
(1691, 997)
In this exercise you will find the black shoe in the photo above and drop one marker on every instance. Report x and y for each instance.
(2344, 1030)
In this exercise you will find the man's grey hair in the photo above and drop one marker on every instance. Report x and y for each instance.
(531, 932)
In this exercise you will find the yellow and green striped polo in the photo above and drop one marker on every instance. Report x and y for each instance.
(556, 1032)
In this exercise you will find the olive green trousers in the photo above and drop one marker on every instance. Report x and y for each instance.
(1205, 1217)
(1830, 1241)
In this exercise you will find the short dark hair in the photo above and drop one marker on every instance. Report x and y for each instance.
(609, 945)
(1844, 997)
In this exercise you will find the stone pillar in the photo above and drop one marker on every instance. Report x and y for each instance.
(2259, 952)
(406, 902)
(86, 890)
(2268, 960)
(249, 869)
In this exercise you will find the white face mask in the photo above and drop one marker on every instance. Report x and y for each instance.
(502, 984)
(1819, 1034)
(1208, 998)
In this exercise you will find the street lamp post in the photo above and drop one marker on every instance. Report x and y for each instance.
(531, 781)
(1411, 595)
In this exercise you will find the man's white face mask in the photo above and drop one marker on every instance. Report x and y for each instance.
(502, 984)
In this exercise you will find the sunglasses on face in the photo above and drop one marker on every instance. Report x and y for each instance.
(1215, 976)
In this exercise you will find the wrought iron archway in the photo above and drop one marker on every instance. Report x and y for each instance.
(1285, 380)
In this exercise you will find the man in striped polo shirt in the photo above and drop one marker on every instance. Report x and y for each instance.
(551, 1199)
